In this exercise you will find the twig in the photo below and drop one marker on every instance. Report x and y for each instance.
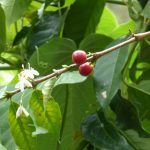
(93, 57)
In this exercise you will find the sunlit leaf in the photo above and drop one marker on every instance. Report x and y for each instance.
(48, 118)
(108, 22)
(14, 9)
(123, 29)
(2, 147)
(21, 128)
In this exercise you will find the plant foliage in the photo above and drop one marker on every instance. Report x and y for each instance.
(108, 110)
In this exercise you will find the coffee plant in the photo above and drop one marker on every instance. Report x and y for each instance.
(72, 77)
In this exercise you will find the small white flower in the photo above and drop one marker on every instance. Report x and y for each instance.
(29, 73)
(21, 110)
(22, 84)
(25, 78)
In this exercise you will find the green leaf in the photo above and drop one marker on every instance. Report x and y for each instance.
(46, 142)
(63, 4)
(47, 88)
(21, 128)
(48, 118)
(20, 35)
(2, 92)
(139, 68)
(70, 77)
(39, 130)
(144, 85)
(107, 23)
(95, 42)
(134, 9)
(126, 114)
(146, 10)
(83, 144)
(2, 29)
(140, 143)
(14, 9)
(78, 26)
(47, 2)
(143, 2)
(44, 139)
(25, 97)
(123, 29)
(146, 125)
(53, 54)
(44, 29)
(2, 147)
(107, 73)
(75, 100)
(68, 3)
(140, 99)
(5, 133)
(102, 134)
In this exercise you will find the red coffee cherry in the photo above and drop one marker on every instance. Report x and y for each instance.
(85, 69)
(79, 57)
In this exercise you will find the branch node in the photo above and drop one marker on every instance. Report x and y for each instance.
(8, 95)
(34, 83)
(57, 72)
(96, 56)
(138, 37)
